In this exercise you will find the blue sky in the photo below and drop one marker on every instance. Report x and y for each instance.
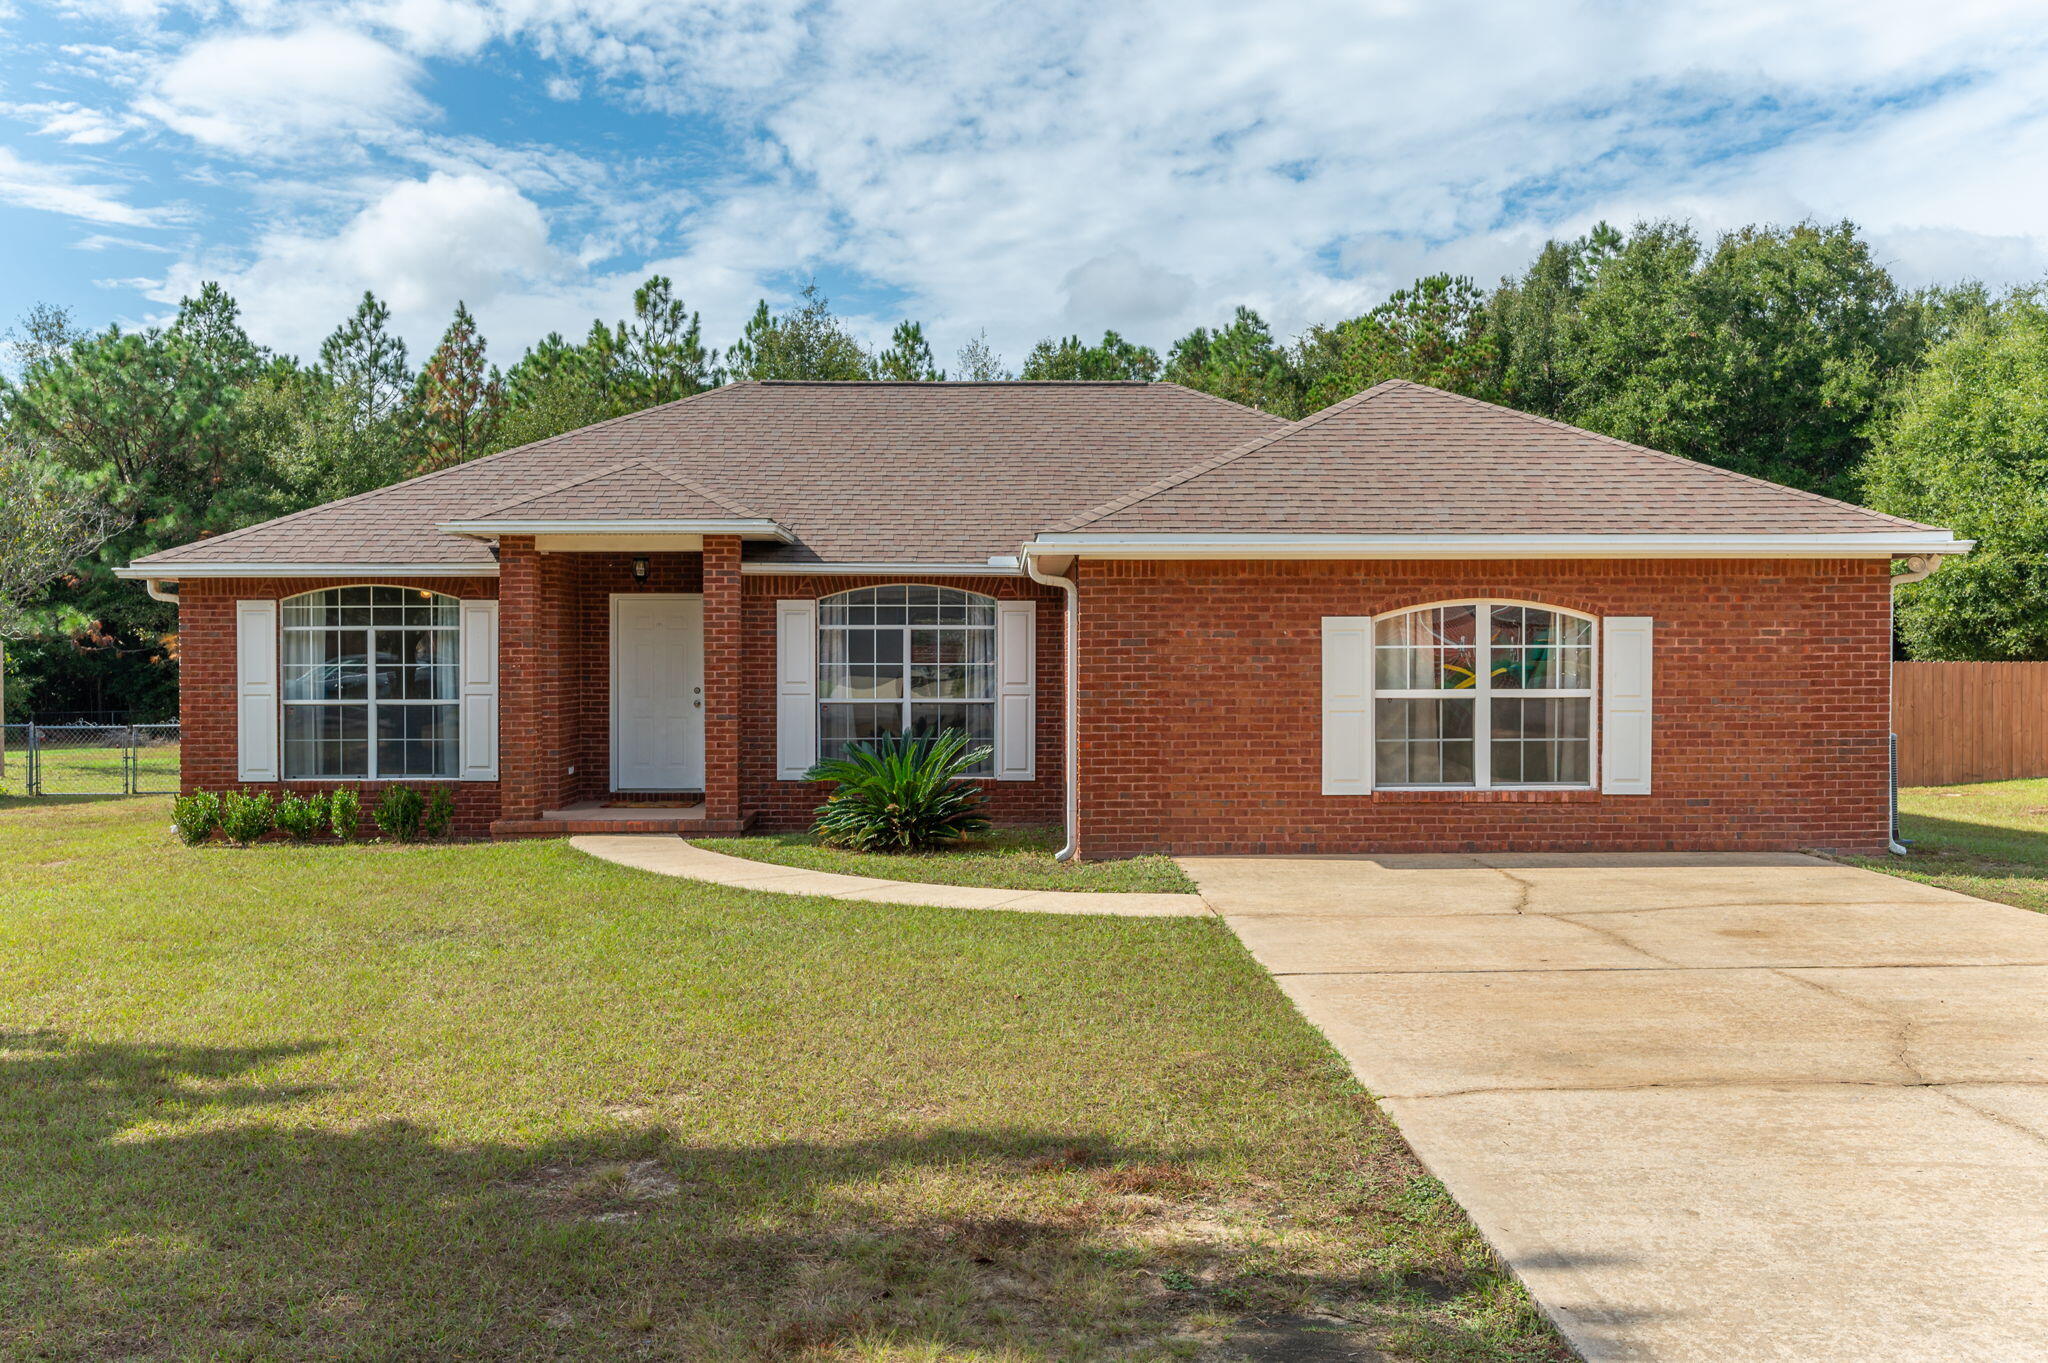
(1024, 169)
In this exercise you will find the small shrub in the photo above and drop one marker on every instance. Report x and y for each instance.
(398, 813)
(344, 813)
(246, 815)
(195, 816)
(901, 794)
(439, 815)
(302, 816)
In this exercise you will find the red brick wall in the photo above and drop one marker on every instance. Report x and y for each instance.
(206, 690)
(785, 805)
(554, 710)
(1200, 719)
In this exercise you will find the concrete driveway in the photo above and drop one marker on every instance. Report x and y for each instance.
(1709, 1107)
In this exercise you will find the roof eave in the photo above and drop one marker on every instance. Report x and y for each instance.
(746, 529)
(1876, 544)
(143, 571)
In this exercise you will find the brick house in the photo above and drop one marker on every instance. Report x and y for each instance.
(1410, 622)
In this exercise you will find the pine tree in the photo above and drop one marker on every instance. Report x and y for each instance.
(1070, 358)
(805, 342)
(909, 357)
(459, 397)
(661, 353)
(367, 363)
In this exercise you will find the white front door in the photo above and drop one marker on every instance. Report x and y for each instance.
(657, 692)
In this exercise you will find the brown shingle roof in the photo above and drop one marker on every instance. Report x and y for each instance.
(637, 491)
(1404, 459)
(857, 472)
(955, 473)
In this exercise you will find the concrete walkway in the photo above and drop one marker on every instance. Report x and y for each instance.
(671, 856)
(1709, 1107)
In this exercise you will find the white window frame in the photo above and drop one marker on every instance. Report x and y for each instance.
(819, 700)
(1482, 693)
(369, 701)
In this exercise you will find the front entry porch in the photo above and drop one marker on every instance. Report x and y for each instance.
(620, 707)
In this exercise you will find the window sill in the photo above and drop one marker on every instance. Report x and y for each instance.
(1529, 795)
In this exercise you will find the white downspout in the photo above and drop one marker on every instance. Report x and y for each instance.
(1069, 774)
(154, 586)
(1919, 567)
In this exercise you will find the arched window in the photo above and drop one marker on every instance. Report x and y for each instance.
(369, 684)
(1483, 694)
(905, 660)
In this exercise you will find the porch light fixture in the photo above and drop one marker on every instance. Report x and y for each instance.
(640, 569)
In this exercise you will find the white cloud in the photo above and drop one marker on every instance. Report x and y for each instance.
(422, 245)
(101, 241)
(268, 94)
(74, 123)
(57, 189)
(1119, 289)
(1072, 166)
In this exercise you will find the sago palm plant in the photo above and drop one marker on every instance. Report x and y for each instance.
(901, 794)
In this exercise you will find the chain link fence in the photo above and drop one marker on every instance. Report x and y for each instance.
(89, 756)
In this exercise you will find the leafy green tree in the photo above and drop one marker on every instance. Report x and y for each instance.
(1071, 359)
(979, 363)
(1533, 316)
(909, 357)
(1967, 449)
(1769, 354)
(159, 427)
(459, 395)
(1241, 362)
(48, 525)
(1434, 332)
(803, 342)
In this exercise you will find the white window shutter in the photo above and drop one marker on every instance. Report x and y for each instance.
(796, 689)
(479, 691)
(1016, 690)
(1625, 714)
(1347, 705)
(256, 690)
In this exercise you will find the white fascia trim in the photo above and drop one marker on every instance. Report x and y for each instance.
(175, 572)
(745, 529)
(1885, 544)
(882, 569)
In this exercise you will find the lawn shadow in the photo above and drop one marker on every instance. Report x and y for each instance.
(159, 1202)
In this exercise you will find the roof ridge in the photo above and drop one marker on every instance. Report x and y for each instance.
(738, 509)
(1173, 480)
(938, 384)
(441, 473)
(1665, 455)
(550, 490)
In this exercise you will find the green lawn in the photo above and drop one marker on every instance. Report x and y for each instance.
(511, 1102)
(1989, 840)
(91, 771)
(1006, 858)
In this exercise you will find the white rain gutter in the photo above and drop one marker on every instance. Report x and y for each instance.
(1070, 775)
(1221, 545)
(155, 587)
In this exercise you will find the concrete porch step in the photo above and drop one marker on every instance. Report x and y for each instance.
(591, 817)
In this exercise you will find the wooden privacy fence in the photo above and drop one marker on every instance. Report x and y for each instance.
(1970, 721)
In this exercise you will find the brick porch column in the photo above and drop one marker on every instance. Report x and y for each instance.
(532, 661)
(721, 678)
